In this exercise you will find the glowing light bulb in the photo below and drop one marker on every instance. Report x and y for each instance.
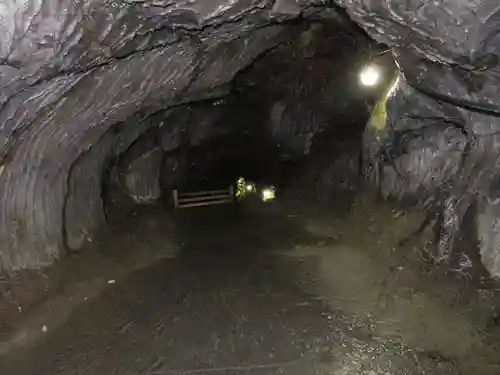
(370, 76)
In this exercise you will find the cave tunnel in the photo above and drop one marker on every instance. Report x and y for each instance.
(374, 122)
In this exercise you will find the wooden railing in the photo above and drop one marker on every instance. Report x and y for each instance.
(203, 198)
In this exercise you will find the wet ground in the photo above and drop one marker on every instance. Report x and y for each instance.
(264, 289)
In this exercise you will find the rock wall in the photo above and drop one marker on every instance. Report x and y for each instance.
(141, 178)
(69, 72)
(443, 120)
(68, 76)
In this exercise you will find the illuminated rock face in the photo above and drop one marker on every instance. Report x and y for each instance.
(78, 80)
(442, 140)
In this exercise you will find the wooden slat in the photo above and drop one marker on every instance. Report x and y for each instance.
(204, 198)
(194, 194)
(176, 198)
(208, 203)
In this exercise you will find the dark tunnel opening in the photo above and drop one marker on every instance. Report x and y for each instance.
(363, 238)
(294, 116)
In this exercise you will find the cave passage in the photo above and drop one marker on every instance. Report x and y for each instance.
(281, 287)
(101, 128)
(261, 287)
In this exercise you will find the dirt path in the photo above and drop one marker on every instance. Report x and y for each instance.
(269, 290)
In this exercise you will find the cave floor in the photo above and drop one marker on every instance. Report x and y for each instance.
(261, 289)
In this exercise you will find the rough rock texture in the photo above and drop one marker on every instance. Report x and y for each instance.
(84, 211)
(71, 70)
(191, 125)
(441, 140)
(305, 89)
(142, 176)
(138, 169)
(488, 225)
